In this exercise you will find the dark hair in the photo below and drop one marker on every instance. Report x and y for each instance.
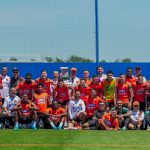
(122, 74)
(99, 67)
(109, 71)
(60, 80)
(40, 84)
(28, 74)
(94, 76)
(43, 71)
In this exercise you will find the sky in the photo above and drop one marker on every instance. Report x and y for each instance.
(61, 28)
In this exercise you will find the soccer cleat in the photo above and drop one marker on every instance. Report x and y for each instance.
(124, 128)
(60, 127)
(16, 127)
(54, 127)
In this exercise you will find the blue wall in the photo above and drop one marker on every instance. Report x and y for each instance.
(35, 68)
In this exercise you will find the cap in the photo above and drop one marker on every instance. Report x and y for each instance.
(15, 69)
(136, 103)
(73, 69)
(55, 72)
(137, 68)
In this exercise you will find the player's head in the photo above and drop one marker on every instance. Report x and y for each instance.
(12, 91)
(113, 113)
(100, 70)
(43, 74)
(119, 104)
(60, 83)
(55, 104)
(77, 94)
(102, 106)
(24, 98)
(40, 87)
(28, 78)
(4, 71)
(109, 75)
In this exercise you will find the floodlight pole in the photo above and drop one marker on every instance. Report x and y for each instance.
(96, 33)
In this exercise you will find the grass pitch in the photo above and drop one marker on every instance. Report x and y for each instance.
(73, 140)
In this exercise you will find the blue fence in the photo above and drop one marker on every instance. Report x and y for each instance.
(35, 68)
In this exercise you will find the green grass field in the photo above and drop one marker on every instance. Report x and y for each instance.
(74, 140)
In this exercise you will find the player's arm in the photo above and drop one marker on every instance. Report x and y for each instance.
(131, 93)
(5, 108)
(17, 107)
(33, 106)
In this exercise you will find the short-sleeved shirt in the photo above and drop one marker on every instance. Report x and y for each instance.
(9, 102)
(98, 114)
(121, 111)
(110, 122)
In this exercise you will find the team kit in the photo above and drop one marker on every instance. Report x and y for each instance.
(102, 102)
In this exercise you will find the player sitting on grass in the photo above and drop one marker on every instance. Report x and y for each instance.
(8, 113)
(56, 115)
(109, 121)
(147, 119)
(122, 114)
(25, 113)
(136, 117)
(76, 109)
(97, 116)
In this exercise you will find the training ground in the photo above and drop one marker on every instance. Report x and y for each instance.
(74, 140)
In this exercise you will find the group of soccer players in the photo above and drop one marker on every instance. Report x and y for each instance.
(103, 102)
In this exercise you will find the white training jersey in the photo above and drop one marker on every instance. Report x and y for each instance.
(137, 115)
(72, 82)
(5, 86)
(9, 102)
(75, 106)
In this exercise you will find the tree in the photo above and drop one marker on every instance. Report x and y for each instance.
(32, 59)
(126, 60)
(118, 61)
(59, 60)
(48, 59)
(103, 61)
(13, 59)
(74, 58)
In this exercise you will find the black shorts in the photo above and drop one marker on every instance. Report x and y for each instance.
(24, 120)
(93, 124)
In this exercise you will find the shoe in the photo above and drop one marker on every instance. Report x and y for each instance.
(33, 127)
(60, 127)
(54, 127)
(16, 127)
(148, 128)
(124, 128)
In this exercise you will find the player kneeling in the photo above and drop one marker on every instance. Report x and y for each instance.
(25, 113)
(56, 115)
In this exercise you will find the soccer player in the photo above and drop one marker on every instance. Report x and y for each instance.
(109, 121)
(5, 85)
(73, 80)
(122, 115)
(108, 86)
(15, 80)
(26, 87)
(26, 113)
(92, 103)
(96, 118)
(45, 81)
(140, 92)
(95, 84)
(130, 78)
(124, 91)
(100, 74)
(61, 93)
(86, 77)
(42, 101)
(84, 89)
(137, 73)
(56, 115)
(76, 110)
(9, 103)
(136, 117)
